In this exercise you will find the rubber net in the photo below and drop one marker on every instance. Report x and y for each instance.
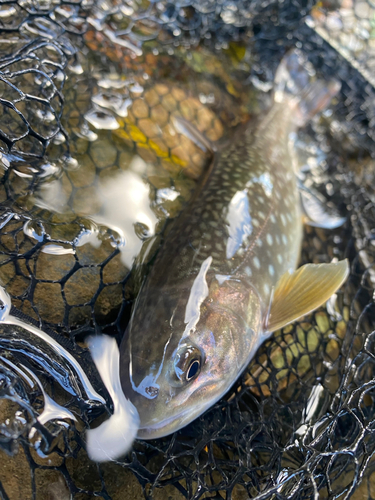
(89, 92)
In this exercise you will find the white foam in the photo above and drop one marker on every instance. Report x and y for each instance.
(114, 437)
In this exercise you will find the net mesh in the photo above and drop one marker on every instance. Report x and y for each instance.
(82, 85)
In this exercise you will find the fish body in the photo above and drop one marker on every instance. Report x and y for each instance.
(207, 304)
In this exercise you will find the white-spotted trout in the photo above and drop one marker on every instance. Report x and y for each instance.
(225, 277)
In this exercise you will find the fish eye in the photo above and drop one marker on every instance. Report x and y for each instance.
(193, 369)
(187, 362)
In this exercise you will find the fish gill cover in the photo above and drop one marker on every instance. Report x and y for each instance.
(94, 168)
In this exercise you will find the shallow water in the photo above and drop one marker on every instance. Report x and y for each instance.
(117, 168)
(103, 197)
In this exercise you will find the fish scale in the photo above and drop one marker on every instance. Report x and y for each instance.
(224, 278)
(203, 229)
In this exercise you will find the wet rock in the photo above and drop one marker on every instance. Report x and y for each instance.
(53, 267)
(15, 475)
(82, 286)
(48, 300)
(108, 301)
(51, 485)
(103, 154)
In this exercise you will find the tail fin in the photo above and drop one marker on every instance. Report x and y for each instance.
(295, 81)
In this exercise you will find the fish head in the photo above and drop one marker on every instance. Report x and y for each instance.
(198, 360)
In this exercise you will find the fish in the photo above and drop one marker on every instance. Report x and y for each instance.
(226, 275)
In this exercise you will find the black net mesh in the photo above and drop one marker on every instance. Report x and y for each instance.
(88, 94)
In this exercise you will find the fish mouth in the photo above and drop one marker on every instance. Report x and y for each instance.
(175, 422)
(205, 398)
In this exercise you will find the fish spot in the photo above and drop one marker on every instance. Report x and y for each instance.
(279, 258)
(255, 222)
(269, 239)
(273, 219)
(283, 219)
(248, 271)
(285, 239)
(271, 270)
(266, 288)
(256, 262)
(259, 242)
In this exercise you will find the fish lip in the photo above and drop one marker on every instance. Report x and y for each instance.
(173, 424)
(176, 422)
(182, 419)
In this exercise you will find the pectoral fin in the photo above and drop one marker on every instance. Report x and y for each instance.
(304, 290)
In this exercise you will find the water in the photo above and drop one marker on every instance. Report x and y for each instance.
(128, 169)
(81, 225)
(80, 228)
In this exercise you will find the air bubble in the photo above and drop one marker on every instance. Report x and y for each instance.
(102, 120)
